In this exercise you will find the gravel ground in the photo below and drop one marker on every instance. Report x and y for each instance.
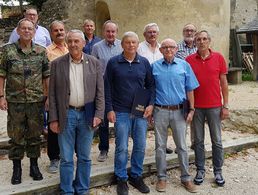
(240, 172)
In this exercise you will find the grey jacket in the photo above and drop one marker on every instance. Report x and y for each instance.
(59, 87)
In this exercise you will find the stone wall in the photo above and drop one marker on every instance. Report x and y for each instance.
(242, 12)
(213, 15)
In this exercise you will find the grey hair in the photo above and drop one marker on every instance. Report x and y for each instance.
(76, 31)
(55, 22)
(205, 31)
(24, 19)
(88, 20)
(109, 22)
(150, 25)
(129, 34)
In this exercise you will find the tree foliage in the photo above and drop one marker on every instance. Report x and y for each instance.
(36, 3)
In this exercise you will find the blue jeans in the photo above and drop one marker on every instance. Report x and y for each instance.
(214, 122)
(76, 132)
(126, 124)
(162, 120)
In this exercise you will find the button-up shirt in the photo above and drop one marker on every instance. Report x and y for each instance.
(41, 37)
(172, 81)
(54, 51)
(76, 83)
(104, 51)
(184, 50)
(89, 44)
(145, 51)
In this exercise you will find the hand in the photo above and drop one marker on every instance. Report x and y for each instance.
(148, 111)
(111, 116)
(54, 126)
(3, 104)
(96, 122)
(190, 116)
(224, 113)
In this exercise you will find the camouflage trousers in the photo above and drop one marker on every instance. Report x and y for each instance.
(24, 127)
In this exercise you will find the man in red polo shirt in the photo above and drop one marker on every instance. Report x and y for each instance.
(210, 69)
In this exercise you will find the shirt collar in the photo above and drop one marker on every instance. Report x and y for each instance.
(121, 59)
(33, 49)
(55, 45)
(185, 45)
(109, 44)
(72, 61)
(165, 62)
(211, 54)
(157, 45)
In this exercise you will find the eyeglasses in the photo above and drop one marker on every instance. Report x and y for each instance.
(189, 30)
(152, 32)
(168, 47)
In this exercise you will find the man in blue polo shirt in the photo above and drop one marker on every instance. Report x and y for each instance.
(125, 74)
(175, 82)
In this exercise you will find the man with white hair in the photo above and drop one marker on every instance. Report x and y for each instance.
(126, 74)
(187, 46)
(76, 81)
(150, 47)
(175, 82)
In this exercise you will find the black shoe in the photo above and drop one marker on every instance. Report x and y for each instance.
(139, 184)
(122, 188)
(17, 172)
(169, 151)
(219, 179)
(35, 173)
(199, 178)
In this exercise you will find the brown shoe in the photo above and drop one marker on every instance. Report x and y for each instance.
(189, 186)
(161, 185)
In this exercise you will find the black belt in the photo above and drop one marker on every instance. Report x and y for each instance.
(170, 107)
(81, 108)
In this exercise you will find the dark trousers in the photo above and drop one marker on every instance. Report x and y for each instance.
(52, 145)
(104, 135)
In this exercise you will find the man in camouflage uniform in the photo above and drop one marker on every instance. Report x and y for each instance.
(24, 67)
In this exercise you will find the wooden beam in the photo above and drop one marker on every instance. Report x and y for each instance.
(255, 56)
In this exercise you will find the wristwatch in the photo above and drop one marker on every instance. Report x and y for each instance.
(191, 109)
(226, 106)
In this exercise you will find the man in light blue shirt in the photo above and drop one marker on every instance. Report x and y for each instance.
(175, 82)
(41, 37)
(104, 50)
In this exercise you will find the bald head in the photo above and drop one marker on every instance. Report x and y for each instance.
(168, 48)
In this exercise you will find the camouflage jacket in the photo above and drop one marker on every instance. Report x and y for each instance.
(24, 72)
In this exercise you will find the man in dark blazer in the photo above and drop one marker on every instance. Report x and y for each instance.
(76, 80)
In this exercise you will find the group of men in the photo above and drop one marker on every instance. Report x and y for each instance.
(90, 82)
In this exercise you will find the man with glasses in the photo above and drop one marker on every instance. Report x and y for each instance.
(41, 37)
(24, 67)
(175, 81)
(187, 46)
(211, 103)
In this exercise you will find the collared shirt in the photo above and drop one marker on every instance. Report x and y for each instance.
(123, 78)
(24, 72)
(41, 37)
(172, 81)
(76, 83)
(145, 51)
(208, 72)
(54, 51)
(184, 50)
(103, 51)
(89, 44)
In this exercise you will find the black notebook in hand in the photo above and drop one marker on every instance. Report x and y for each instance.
(186, 108)
(90, 112)
(140, 102)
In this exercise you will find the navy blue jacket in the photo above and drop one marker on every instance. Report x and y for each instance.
(123, 78)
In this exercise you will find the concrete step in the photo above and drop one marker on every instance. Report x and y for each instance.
(104, 175)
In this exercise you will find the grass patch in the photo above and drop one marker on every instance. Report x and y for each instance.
(247, 76)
